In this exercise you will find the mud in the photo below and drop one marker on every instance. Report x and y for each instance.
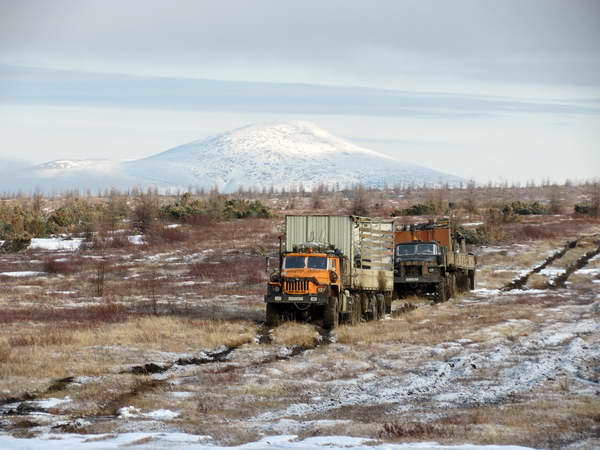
(521, 283)
(560, 280)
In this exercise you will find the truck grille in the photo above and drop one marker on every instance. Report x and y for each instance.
(295, 285)
(412, 271)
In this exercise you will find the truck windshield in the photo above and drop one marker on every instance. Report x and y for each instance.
(317, 262)
(418, 249)
(428, 249)
(406, 249)
(294, 262)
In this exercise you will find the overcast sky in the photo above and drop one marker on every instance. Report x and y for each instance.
(461, 86)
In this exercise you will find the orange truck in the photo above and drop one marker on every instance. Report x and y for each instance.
(332, 269)
(428, 260)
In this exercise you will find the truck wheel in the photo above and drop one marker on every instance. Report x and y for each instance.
(331, 318)
(358, 315)
(372, 312)
(452, 284)
(273, 316)
(388, 304)
(354, 310)
(441, 293)
(381, 305)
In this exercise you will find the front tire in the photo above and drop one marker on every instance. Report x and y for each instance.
(273, 315)
(331, 319)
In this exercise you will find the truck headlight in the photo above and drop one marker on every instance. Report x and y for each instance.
(432, 269)
(321, 289)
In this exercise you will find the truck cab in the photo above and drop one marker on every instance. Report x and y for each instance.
(307, 277)
(419, 262)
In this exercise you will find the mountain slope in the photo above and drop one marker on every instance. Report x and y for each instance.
(280, 154)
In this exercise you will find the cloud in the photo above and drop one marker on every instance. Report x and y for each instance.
(43, 87)
(343, 41)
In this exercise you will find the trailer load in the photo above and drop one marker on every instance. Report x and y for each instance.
(332, 269)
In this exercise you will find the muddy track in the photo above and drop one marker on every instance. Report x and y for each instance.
(57, 385)
(521, 282)
(207, 358)
(110, 409)
(560, 280)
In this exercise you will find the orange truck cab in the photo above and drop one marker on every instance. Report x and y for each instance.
(308, 276)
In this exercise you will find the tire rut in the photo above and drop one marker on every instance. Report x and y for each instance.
(561, 280)
(521, 282)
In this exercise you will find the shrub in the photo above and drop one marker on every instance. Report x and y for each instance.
(16, 243)
(190, 210)
(241, 209)
(419, 209)
(524, 209)
(53, 265)
(475, 236)
(145, 211)
(167, 234)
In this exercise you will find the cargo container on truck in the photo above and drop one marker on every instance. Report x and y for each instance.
(332, 269)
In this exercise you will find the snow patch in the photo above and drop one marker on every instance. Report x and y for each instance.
(56, 243)
(23, 273)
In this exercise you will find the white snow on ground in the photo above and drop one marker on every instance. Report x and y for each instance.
(551, 272)
(472, 224)
(23, 273)
(128, 412)
(182, 440)
(520, 366)
(137, 239)
(50, 402)
(588, 271)
(56, 243)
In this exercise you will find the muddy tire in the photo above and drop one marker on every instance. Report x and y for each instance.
(380, 305)
(331, 316)
(388, 304)
(452, 290)
(371, 311)
(273, 315)
(355, 311)
(441, 292)
(471, 280)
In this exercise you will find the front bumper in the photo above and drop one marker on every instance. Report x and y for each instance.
(311, 299)
(433, 278)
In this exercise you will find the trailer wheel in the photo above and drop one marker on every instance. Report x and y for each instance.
(380, 306)
(471, 280)
(451, 285)
(388, 304)
(371, 311)
(331, 319)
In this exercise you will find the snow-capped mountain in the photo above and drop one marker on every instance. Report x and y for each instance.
(279, 154)
(283, 155)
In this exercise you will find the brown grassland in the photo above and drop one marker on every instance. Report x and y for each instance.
(176, 321)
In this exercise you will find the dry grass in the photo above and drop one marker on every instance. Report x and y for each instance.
(295, 334)
(60, 352)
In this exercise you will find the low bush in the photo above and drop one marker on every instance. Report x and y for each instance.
(419, 209)
(16, 243)
(524, 209)
(62, 266)
(186, 209)
(166, 234)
